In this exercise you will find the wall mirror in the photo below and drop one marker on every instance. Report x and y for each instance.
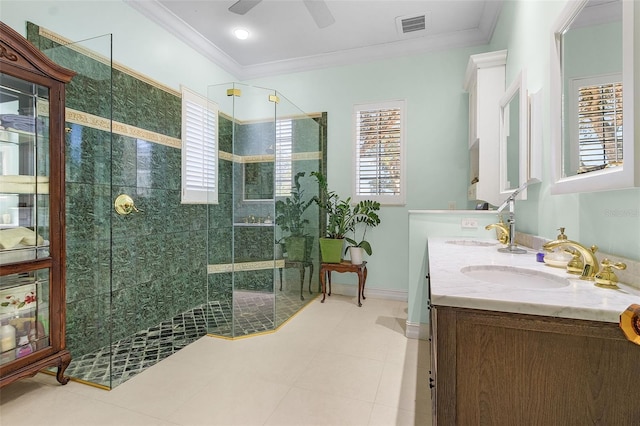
(257, 181)
(514, 136)
(592, 97)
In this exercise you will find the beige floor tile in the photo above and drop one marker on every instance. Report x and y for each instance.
(382, 415)
(342, 375)
(235, 398)
(332, 364)
(400, 386)
(309, 408)
(30, 402)
(365, 343)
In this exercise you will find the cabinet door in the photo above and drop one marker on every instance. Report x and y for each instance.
(25, 227)
(25, 315)
(24, 171)
(433, 372)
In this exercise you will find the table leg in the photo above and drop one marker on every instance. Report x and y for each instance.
(360, 285)
(364, 282)
(323, 284)
(310, 276)
(301, 280)
(329, 279)
(280, 279)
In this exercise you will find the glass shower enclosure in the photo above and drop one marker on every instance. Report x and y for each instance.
(144, 285)
(263, 234)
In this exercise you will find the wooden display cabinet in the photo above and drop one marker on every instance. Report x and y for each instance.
(32, 221)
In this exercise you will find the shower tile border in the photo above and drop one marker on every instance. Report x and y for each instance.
(95, 122)
(89, 120)
(244, 266)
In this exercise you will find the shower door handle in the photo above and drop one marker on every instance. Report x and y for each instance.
(124, 205)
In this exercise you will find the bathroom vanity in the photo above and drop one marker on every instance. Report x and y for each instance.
(514, 341)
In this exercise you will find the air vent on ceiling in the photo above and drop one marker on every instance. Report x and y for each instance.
(412, 23)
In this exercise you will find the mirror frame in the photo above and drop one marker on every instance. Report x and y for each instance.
(606, 179)
(517, 87)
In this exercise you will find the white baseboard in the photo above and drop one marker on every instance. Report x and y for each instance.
(376, 293)
(417, 330)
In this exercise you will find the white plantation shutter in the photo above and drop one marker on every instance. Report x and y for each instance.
(598, 136)
(379, 156)
(199, 149)
(284, 157)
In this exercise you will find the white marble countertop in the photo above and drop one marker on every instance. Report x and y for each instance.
(578, 300)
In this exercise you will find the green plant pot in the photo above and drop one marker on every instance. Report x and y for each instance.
(331, 250)
(296, 248)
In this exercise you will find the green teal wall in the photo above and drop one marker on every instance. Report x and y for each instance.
(436, 116)
(610, 219)
(436, 144)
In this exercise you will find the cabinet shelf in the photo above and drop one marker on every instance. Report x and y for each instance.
(13, 136)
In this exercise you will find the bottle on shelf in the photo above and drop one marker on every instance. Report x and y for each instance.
(7, 343)
(24, 347)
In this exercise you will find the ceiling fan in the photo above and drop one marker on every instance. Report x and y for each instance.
(317, 8)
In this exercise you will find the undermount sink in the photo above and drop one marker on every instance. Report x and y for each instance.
(471, 243)
(514, 277)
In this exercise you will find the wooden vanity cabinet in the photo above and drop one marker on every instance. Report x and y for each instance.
(494, 368)
(32, 243)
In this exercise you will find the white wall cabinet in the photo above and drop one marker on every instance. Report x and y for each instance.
(485, 83)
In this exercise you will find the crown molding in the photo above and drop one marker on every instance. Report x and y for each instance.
(156, 12)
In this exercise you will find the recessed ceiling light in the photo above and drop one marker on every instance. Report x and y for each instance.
(241, 33)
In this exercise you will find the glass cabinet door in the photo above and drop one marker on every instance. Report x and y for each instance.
(24, 217)
(24, 170)
(24, 314)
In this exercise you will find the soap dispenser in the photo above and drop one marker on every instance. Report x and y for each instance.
(558, 257)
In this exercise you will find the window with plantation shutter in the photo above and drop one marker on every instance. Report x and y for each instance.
(598, 135)
(284, 157)
(379, 152)
(199, 149)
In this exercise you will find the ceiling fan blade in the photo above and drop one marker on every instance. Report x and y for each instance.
(243, 6)
(320, 12)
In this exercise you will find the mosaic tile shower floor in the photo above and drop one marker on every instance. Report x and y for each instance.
(254, 313)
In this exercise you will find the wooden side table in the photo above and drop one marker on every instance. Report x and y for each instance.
(344, 266)
(300, 265)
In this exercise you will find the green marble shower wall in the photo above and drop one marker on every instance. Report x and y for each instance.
(128, 273)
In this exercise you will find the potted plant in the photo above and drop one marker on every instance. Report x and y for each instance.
(289, 217)
(364, 217)
(342, 219)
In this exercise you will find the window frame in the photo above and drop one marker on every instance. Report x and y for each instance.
(203, 194)
(389, 200)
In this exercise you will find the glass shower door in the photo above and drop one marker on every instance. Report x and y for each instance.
(253, 210)
(264, 260)
(298, 152)
(89, 206)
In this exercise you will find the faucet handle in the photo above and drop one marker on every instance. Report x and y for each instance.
(606, 278)
(575, 266)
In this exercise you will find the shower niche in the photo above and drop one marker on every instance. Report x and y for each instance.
(264, 142)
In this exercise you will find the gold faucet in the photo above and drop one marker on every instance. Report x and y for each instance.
(502, 231)
(607, 278)
(590, 268)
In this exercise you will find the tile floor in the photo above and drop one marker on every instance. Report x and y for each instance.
(253, 312)
(332, 364)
